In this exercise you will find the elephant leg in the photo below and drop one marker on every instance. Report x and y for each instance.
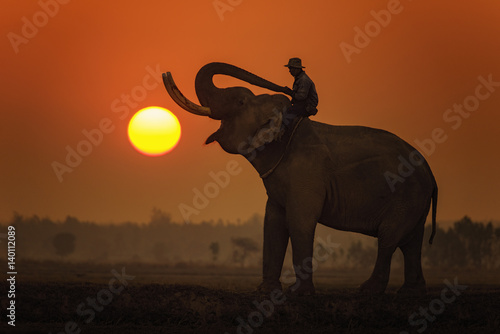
(412, 251)
(377, 283)
(302, 239)
(275, 243)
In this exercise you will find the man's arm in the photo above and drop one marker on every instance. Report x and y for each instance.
(288, 91)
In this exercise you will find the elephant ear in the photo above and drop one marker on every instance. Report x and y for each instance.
(270, 131)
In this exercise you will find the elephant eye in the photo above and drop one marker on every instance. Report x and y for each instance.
(241, 102)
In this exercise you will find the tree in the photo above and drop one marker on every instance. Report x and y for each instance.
(494, 260)
(477, 239)
(243, 248)
(448, 251)
(159, 251)
(360, 256)
(159, 218)
(466, 244)
(214, 248)
(64, 243)
(326, 253)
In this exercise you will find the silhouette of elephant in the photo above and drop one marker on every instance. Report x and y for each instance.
(349, 178)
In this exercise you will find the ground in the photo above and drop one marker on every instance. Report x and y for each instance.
(68, 298)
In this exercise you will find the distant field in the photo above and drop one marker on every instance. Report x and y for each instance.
(218, 300)
(227, 277)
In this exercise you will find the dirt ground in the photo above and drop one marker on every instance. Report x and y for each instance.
(132, 298)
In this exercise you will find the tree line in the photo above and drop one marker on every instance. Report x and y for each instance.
(466, 244)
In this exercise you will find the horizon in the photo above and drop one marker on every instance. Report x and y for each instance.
(254, 218)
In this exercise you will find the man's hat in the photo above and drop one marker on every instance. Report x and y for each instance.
(295, 62)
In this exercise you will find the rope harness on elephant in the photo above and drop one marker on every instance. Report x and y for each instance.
(270, 171)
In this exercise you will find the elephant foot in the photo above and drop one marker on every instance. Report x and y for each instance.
(417, 289)
(373, 286)
(301, 289)
(268, 287)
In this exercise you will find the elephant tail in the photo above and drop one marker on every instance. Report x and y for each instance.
(434, 209)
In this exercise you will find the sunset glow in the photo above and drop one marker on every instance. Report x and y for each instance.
(154, 131)
(71, 90)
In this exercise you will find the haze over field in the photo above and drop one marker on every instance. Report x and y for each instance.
(466, 244)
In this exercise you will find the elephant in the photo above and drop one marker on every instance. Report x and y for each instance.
(349, 178)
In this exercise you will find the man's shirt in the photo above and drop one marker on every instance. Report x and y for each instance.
(304, 90)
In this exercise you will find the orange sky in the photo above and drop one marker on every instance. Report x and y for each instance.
(71, 73)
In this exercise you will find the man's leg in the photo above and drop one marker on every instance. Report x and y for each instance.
(292, 114)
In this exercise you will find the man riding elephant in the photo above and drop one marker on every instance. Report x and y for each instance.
(326, 174)
(304, 95)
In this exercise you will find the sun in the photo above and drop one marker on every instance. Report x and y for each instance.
(154, 131)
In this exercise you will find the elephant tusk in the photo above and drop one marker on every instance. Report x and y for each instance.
(180, 99)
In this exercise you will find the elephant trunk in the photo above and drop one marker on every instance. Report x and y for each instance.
(208, 94)
(207, 91)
